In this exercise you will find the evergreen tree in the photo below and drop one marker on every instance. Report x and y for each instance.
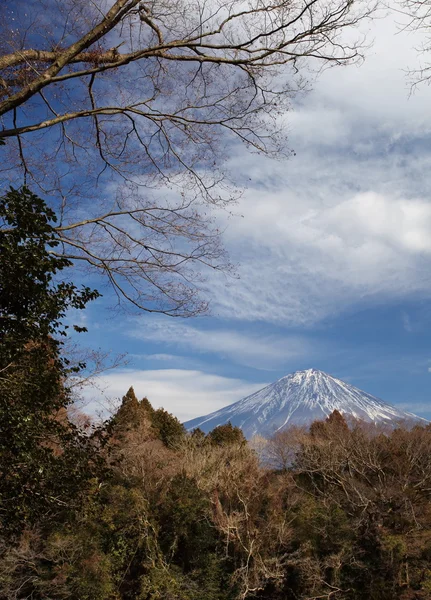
(169, 429)
(337, 422)
(198, 436)
(227, 434)
(43, 460)
(128, 415)
(146, 405)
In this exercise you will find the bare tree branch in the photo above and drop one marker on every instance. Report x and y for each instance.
(125, 112)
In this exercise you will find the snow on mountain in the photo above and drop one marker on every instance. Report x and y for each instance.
(300, 399)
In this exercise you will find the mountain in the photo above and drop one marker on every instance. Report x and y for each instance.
(300, 399)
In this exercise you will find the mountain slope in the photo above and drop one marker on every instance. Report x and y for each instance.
(300, 399)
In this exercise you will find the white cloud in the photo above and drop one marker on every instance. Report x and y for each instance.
(185, 393)
(298, 268)
(392, 223)
(162, 357)
(407, 322)
(249, 349)
(348, 220)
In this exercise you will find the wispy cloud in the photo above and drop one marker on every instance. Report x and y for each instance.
(158, 357)
(407, 322)
(299, 268)
(344, 225)
(185, 393)
(250, 349)
(347, 221)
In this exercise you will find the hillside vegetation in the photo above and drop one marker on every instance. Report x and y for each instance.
(138, 509)
(338, 514)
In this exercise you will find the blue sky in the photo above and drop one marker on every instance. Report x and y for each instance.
(333, 255)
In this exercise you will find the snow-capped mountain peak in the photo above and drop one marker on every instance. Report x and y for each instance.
(300, 399)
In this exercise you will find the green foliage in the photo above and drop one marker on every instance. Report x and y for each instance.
(169, 429)
(147, 407)
(186, 533)
(31, 305)
(170, 583)
(63, 564)
(198, 436)
(177, 517)
(129, 414)
(133, 414)
(127, 536)
(224, 435)
(214, 525)
(44, 462)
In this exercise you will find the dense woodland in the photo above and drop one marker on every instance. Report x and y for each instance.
(137, 508)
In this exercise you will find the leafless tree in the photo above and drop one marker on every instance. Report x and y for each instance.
(417, 17)
(283, 447)
(123, 112)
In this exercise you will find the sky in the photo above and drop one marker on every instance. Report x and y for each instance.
(333, 255)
